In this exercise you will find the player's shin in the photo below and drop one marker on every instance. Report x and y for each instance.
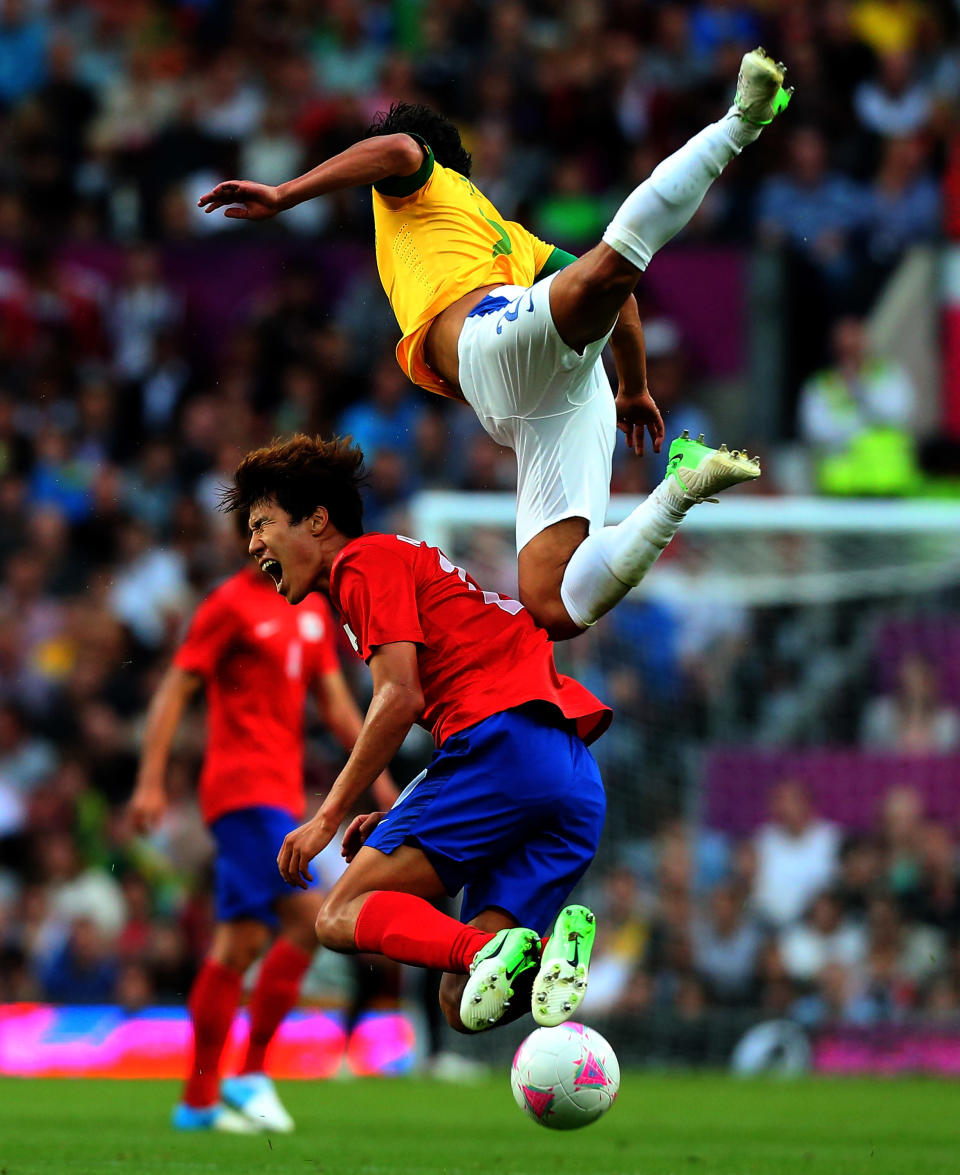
(665, 202)
(609, 562)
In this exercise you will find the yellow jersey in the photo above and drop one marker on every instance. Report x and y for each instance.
(437, 238)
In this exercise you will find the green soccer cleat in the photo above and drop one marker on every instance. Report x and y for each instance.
(697, 472)
(760, 93)
(494, 970)
(561, 982)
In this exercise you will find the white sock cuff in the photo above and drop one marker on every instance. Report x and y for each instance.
(626, 242)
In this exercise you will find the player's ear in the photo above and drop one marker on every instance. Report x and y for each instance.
(318, 521)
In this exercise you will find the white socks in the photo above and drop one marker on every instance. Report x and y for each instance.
(656, 211)
(609, 562)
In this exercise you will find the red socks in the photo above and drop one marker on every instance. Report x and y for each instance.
(213, 1003)
(409, 930)
(278, 986)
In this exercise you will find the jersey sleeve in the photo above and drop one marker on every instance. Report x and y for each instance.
(555, 260)
(211, 630)
(377, 595)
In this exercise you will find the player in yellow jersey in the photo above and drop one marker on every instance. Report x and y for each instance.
(495, 317)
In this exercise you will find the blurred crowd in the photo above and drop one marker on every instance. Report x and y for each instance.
(122, 412)
(802, 920)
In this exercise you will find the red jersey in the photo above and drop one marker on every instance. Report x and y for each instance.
(257, 657)
(478, 652)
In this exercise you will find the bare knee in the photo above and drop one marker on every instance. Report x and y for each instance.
(327, 924)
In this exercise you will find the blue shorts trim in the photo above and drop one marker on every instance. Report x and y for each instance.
(510, 811)
(247, 880)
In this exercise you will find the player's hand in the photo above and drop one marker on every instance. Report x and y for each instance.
(356, 835)
(147, 806)
(637, 412)
(243, 200)
(301, 846)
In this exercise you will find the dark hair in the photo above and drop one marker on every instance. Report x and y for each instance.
(439, 133)
(300, 475)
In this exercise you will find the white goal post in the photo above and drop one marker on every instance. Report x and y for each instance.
(758, 550)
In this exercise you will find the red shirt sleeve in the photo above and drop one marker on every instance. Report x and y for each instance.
(377, 597)
(208, 637)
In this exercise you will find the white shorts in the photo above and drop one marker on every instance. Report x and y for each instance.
(552, 406)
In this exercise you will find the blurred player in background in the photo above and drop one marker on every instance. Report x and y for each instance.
(255, 659)
(493, 316)
(509, 810)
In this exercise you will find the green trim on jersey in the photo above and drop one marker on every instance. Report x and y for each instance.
(406, 185)
(558, 259)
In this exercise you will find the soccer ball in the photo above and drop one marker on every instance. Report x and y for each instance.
(565, 1077)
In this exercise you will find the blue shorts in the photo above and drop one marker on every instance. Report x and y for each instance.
(510, 811)
(248, 882)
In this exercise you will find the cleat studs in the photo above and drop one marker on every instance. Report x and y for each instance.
(723, 449)
(699, 442)
(591, 917)
(567, 1006)
(685, 435)
(541, 997)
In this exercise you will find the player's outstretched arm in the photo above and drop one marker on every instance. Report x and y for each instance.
(149, 799)
(366, 162)
(396, 704)
(636, 409)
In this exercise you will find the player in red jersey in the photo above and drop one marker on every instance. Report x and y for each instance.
(256, 659)
(511, 806)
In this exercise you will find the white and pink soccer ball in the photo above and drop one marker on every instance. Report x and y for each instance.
(565, 1077)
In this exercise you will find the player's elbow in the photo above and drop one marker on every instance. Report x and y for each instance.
(403, 699)
(403, 154)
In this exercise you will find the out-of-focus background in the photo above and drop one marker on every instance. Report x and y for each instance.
(784, 770)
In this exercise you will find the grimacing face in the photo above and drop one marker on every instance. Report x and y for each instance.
(288, 552)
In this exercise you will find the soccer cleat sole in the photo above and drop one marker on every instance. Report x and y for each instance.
(557, 993)
(561, 982)
(489, 988)
(760, 92)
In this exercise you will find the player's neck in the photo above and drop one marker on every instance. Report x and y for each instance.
(332, 543)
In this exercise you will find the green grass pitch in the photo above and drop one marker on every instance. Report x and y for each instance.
(661, 1125)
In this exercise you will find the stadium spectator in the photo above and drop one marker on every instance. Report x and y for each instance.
(857, 417)
(915, 717)
(796, 856)
(895, 103)
(83, 969)
(904, 207)
(825, 936)
(810, 208)
(726, 945)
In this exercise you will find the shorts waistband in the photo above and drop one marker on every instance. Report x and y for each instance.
(489, 304)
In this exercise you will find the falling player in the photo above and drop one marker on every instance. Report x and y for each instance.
(255, 658)
(515, 328)
(511, 806)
